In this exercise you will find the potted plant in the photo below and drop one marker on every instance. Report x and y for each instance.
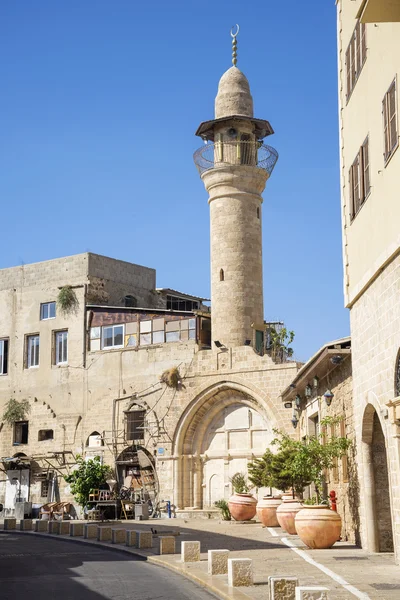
(316, 524)
(224, 508)
(261, 474)
(242, 505)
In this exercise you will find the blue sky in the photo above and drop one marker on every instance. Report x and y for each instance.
(99, 104)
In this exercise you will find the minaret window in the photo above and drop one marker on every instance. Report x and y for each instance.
(221, 275)
(258, 212)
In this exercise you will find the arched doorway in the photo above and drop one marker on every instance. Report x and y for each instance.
(135, 470)
(379, 528)
(218, 436)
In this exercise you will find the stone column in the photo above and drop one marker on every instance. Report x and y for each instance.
(197, 481)
(368, 491)
(178, 482)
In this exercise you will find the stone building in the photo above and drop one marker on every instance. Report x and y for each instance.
(369, 68)
(92, 376)
(323, 388)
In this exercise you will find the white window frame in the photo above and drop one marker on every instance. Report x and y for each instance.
(64, 343)
(103, 347)
(2, 343)
(29, 365)
(47, 305)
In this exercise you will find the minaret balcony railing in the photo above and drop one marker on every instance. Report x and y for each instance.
(220, 154)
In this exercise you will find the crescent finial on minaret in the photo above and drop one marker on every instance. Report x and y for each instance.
(234, 44)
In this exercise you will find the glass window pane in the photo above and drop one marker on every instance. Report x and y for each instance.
(107, 337)
(145, 326)
(131, 340)
(95, 333)
(44, 311)
(52, 310)
(119, 335)
(158, 337)
(192, 334)
(192, 323)
(172, 336)
(65, 347)
(172, 326)
(145, 339)
(158, 325)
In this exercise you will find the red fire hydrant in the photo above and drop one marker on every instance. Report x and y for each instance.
(332, 498)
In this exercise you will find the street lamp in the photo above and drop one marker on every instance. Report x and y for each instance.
(294, 420)
(328, 397)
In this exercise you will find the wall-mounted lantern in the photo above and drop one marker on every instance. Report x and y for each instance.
(294, 420)
(297, 400)
(315, 381)
(308, 391)
(328, 397)
(288, 405)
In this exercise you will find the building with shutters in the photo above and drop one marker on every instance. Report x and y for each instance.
(177, 399)
(369, 70)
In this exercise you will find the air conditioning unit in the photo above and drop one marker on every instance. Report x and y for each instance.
(94, 441)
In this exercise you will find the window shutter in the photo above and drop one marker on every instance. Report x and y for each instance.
(361, 176)
(392, 116)
(357, 37)
(351, 186)
(348, 71)
(365, 152)
(363, 43)
(385, 126)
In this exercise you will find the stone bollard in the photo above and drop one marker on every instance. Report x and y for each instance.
(103, 534)
(118, 536)
(144, 539)
(10, 524)
(53, 526)
(311, 593)
(131, 538)
(240, 572)
(76, 529)
(190, 551)
(41, 526)
(25, 525)
(90, 531)
(167, 544)
(218, 562)
(64, 528)
(282, 588)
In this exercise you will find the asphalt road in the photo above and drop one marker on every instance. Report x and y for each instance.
(46, 569)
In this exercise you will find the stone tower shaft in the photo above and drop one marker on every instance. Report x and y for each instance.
(234, 166)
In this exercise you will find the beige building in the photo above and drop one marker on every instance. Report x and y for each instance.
(369, 70)
(92, 377)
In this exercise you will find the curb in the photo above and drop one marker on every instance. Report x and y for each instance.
(216, 587)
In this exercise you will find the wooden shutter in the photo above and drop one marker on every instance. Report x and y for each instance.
(385, 126)
(363, 33)
(348, 79)
(392, 116)
(357, 37)
(365, 163)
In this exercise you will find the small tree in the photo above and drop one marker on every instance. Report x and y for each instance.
(239, 483)
(307, 460)
(87, 476)
(15, 411)
(280, 341)
(273, 470)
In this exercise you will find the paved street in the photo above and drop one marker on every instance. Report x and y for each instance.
(43, 569)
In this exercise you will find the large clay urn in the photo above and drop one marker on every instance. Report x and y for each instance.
(318, 526)
(266, 510)
(242, 506)
(286, 512)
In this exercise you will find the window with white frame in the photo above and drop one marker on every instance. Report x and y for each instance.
(32, 348)
(3, 357)
(47, 311)
(113, 337)
(61, 347)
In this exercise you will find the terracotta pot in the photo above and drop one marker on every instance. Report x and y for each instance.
(318, 526)
(266, 510)
(289, 496)
(286, 512)
(242, 506)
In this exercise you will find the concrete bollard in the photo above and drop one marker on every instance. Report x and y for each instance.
(103, 534)
(311, 593)
(131, 538)
(218, 562)
(118, 535)
(76, 529)
(240, 572)
(167, 544)
(144, 539)
(53, 526)
(282, 588)
(90, 531)
(10, 524)
(41, 526)
(64, 528)
(25, 525)
(190, 551)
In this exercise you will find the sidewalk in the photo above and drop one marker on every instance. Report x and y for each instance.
(347, 571)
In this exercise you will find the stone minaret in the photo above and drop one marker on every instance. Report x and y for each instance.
(234, 166)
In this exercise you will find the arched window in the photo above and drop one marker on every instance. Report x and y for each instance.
(94, 440)
(258, 212)
(397, 376)
(130, 301)
(221, 275)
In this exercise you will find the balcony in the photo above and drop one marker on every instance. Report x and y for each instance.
(221, 154)
(379, 11)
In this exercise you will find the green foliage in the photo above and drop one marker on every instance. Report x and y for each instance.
(224, 508)
(87, 476)
(280, 344)
(239, 483)
(172, 378)
(273, 470)
(307, 460)
(67, 301)
(15, 411)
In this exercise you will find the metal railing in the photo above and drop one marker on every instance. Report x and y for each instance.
(220, 154)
